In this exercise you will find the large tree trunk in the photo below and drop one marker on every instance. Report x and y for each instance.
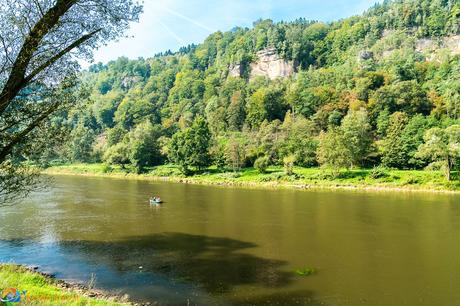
(17, 77)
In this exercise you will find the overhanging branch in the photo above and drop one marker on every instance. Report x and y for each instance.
(55, 58)
(29, 47)
(6, 150)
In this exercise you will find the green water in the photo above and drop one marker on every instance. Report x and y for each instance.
(218, 246)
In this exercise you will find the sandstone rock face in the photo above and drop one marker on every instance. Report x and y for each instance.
(453, 43)
(235, 70)
(271, 65)
(427, 44)
(431, 47)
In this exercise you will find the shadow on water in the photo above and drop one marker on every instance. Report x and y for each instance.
(214, 265)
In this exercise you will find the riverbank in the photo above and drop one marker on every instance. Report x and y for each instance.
(42, 289)
(303, 178)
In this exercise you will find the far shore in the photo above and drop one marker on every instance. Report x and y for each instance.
(304, 179)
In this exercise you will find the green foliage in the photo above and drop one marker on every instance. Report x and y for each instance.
(80, 146)
(235, 153)
(42, 290)
(332, 151)
(299, 141)
(378, 173)
(144, 149)
(288, 162)
(442, 145)
(406, 96)
(392, 146)
(265, 104)
(190, 147)
(261, 164)
(307, 271)
(356, 132)
(361, 83)
(117, 154)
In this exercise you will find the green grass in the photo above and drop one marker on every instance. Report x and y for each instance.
(275, 177)
(41, 290)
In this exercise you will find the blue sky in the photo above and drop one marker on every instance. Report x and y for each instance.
(170, 24)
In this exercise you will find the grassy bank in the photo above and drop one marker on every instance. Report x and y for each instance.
(275, 177)
(42, 290)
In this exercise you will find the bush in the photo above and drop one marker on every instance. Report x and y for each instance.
(229, 175)
(166, 171)
(378, 173)
(289, 164)
(107, 168)
(261, 164)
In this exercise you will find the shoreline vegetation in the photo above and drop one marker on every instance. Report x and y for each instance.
(275, 178)
(43, 289)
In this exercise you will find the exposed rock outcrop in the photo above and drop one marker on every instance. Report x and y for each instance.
(268, 64)
(453, 43)
(271, 65)
(431, 47)
(365, 55)
(235, 70)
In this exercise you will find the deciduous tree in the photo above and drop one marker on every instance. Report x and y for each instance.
(41, 43)
(442, 145)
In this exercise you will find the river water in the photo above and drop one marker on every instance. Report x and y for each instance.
(230, 246)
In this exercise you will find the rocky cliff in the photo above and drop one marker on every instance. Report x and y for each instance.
(429, 47)
(268, 64)
(271, 65)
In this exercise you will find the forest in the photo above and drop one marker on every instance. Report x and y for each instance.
(377, 90)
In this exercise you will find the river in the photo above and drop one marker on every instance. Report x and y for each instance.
(230, 246)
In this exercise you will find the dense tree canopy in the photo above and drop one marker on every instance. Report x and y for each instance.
(364, 92)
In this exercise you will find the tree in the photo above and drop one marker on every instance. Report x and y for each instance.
(39, 59)
(81, 143)
(412, 138)
(392, 146)
(235, 153)
(356, 132)
(236, 112)
(288, 162)
(442, 145)
(190, 147)
(348, 145)
(17, 181)
(266, 104)
(117, 154)
(261, 164)
(299, 140)
(332, 151)
(405, 96)
(144, 149)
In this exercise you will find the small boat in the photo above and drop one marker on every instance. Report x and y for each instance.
(155, 201)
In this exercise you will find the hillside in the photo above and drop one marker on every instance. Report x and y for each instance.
(285, 92)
